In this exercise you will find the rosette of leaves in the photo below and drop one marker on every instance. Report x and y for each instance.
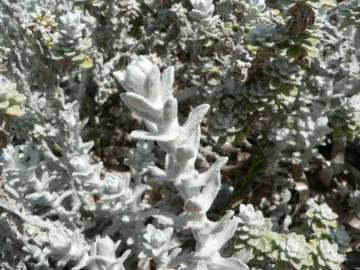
(342, 238)
(69, 41)
(254, 10)
(102, 256)
(45, 19)
(326, 255)
(65, 246)
(203, 12)
(259, 94)
(233, 107)
(350, 12)
(223, 123)
(159, 246)
(11, 101)
(265, 36)
(258, 99)
(253, 230)
(304, 44)
(321, 218)
(224, 118)
(303, 29)
(285, 75)
(156, 241)
(346, 118)
(293, 249)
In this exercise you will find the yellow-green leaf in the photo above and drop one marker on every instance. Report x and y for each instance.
(86, 62)
(14, 111)
(4, 104)
(20, 98)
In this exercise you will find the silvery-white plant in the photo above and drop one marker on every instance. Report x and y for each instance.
(65, 245)
(256, 240)
(252, 223)
(242, 65)
(296, 250)
(321, 214)
(304, 130)
(149, 95)
(11, 101)
(254, 10)
(341, 238)
(117, 200)
(12, 236)
(253, 236)
(346, 118)
(203, 12)
(159, 246)
(102, 256)
(69, 42)
(73, 184)
(140, 159)
(328, 256)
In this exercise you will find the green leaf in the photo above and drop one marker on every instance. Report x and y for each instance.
(227, 25)
(294, 52)
(280, 265)
(275, 83)
(57, 55)
(222, 140)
